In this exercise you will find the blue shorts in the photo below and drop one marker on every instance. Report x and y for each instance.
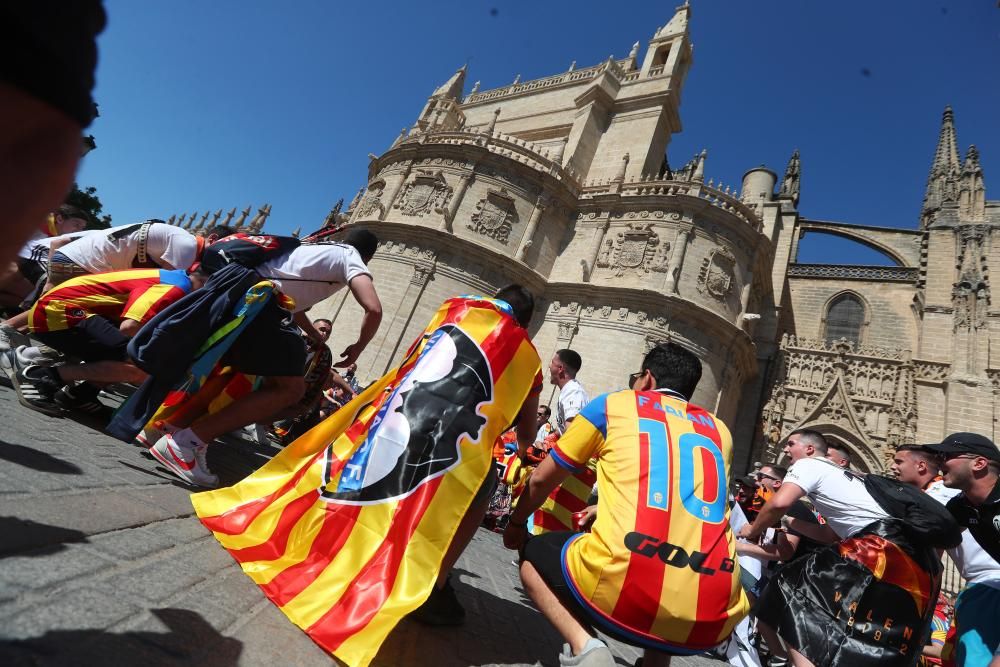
(977, 624)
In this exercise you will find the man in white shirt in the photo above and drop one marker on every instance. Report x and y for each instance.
(865, 599)
(563, 368)
(272, 348)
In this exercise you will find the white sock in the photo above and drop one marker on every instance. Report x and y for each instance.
(186, 436)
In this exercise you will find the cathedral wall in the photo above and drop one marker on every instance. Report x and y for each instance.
(890, 320)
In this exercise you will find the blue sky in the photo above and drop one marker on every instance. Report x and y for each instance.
(208, 105)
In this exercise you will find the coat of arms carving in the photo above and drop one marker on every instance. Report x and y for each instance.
(428, 191)
(371, 203)
(495, 216)
(717, 273)
(635, 248)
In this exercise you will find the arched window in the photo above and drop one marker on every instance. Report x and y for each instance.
(845, 318)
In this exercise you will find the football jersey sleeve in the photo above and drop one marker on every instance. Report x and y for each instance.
(584, 437)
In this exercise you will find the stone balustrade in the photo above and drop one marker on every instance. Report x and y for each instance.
(616, 67)
(501, 144)
(653, 186)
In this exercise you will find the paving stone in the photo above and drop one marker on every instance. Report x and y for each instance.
(83, 608)
(52, 566)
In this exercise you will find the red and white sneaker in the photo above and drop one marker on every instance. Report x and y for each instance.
(149, 435)
(185, 460)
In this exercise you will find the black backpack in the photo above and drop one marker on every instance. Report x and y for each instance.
(249, 250)
(925, 518)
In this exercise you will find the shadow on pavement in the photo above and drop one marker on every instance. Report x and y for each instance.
(37, 539)
(496, 632)
(36, 460)
(189, 641)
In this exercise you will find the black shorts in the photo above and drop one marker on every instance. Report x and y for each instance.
(49, 50)
(93, 339)
(271, 345)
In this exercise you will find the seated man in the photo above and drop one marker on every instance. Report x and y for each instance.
(92, 319)
(662, 532)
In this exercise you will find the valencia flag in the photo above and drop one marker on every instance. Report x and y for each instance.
(345, 529)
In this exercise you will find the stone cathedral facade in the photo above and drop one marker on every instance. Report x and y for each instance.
(562, 184)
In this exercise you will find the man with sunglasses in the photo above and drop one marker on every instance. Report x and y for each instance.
(970, 464)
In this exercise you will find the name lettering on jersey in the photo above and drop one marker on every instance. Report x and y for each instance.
(657, 406)
(674, 555)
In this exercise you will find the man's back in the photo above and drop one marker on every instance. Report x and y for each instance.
(121, 248)
(659, 561)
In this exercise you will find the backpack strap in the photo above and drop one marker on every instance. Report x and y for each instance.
(140, 254)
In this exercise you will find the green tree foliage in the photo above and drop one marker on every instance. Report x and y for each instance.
(90, 203)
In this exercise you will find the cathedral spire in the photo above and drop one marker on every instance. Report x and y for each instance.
(790, 182)
(971, 189)
(944, 170)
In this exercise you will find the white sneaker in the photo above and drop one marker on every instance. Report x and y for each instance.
(148, 436)
(185, 460)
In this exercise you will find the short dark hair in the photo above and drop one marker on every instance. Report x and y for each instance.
(70, 211)
(571, 360)
(323, 319)
(839, 448)
(221, 231)
(921, 453)
(521, 300)
(155, 221)
(547, 409)
(364, 241)
(814, 438)
(673, 367)
(779, 471)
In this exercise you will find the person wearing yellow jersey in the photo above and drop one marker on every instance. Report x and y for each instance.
(658, 569)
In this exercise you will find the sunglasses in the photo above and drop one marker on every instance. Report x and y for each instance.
(635, 376)
(760, 475)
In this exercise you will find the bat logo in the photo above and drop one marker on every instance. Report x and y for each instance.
(416, 435)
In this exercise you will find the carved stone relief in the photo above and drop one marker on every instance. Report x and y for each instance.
(428, 191)
(495, 215)
(636, 248)
(717, 272)
(371, 204)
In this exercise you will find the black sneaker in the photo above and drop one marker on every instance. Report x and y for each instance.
(36, 385)
(441, 608)
(81, 398)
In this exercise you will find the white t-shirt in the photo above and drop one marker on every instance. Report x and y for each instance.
(838, 494)
(115, 249)
(572, 398)
(37, 248)
(972, 561)
(314, 271)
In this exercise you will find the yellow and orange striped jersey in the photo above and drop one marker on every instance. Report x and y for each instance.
(659, 563)
(137, 294)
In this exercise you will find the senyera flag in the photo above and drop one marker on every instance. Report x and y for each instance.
(345, 529)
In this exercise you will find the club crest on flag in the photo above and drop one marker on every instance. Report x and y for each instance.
(418, 432)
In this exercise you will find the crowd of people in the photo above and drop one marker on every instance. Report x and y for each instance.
(830, 564)
(619, 510)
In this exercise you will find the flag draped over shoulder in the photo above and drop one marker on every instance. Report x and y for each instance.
(345, 529)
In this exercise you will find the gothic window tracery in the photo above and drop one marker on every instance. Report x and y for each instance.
(845, 319)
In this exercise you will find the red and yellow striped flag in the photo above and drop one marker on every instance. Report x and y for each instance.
(345, 530)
